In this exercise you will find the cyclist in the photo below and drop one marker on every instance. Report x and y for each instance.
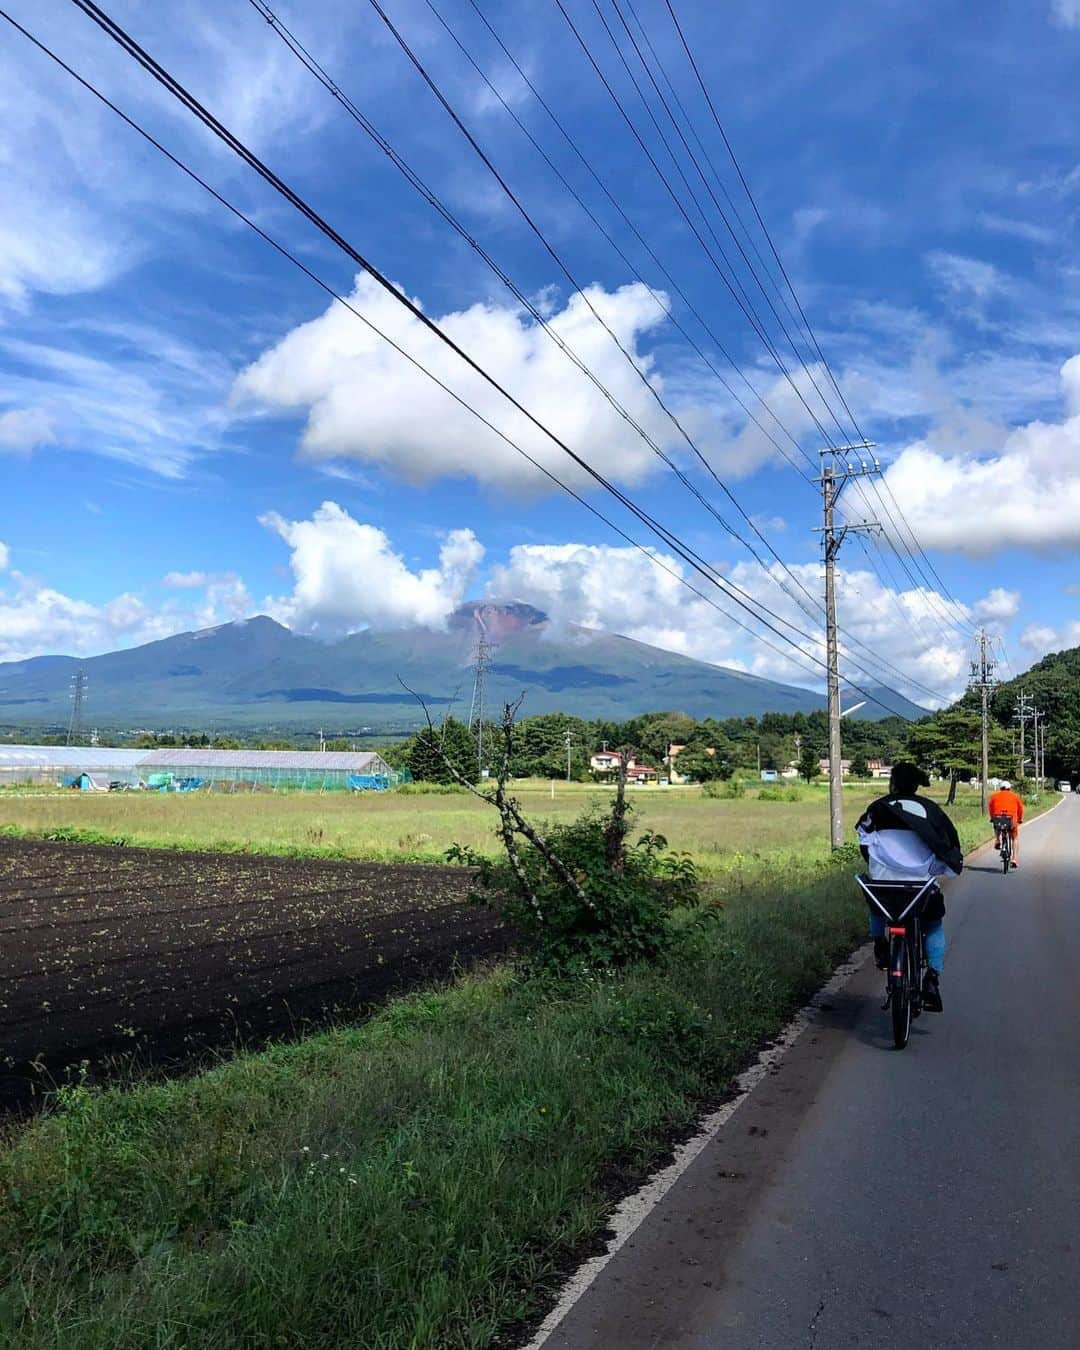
(905, 837)
(1007, 803)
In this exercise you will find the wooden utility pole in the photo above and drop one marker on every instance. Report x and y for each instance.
(982, 678)
(569, 742)
(836, 471)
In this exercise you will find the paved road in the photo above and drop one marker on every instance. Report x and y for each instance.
(862, 1196)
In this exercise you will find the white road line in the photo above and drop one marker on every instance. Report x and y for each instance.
(631, 1212)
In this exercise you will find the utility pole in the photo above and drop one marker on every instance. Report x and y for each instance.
(836, 472)
(1022, 713)
(78, 694)
(1039, 720)
(982, 678)
(569, 742)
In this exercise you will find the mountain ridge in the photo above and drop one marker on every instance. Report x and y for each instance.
(257, 673)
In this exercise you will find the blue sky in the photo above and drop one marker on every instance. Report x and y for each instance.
(191, 431)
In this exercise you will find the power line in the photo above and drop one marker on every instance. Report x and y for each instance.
(732, 286)
(312, 64)
(720, 210)
(964, 623)
(169, 82)
(683, 551)
(590, 169)
(583, 293)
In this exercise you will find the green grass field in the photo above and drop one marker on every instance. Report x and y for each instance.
(742, 836)
(420, 1180)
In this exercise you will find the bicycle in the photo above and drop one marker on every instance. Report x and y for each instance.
(1004, 827)
(901, 903)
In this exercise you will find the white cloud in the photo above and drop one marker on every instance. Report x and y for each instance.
(185, 580)
(124, 391)
(998, 605)
(347, 576)
(967, 276)
(24, 429)
(36, 619)
(5, 554)
(1066, 12)
(363, 400)
(1039, 637)
(620, 590)
(1025, 494)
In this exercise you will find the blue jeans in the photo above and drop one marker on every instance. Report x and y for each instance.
(933, 932)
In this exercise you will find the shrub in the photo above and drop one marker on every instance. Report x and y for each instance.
(730, 790)
(780, 794)
(622, 913)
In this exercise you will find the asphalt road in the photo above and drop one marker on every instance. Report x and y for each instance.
(864, 1196)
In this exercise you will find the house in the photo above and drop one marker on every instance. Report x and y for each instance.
(845, 766)
(641, 773)
(878, 769)
(607, 762)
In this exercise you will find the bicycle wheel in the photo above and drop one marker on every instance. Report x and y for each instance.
(900, 966)
(1006, 853)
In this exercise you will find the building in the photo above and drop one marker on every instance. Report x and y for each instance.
(279, 770)
(845, 766)
(188, 770)
(607, 762)
(879, 769)
(61, 765)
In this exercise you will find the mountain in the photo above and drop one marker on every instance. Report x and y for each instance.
(258, 675)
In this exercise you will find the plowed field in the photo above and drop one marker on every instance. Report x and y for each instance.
(113, 954)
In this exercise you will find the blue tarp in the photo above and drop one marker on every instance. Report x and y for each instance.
(368, 782)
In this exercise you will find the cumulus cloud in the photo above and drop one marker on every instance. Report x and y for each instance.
(348, 576)
(998, 605)
(1066, 12)
(362, 400)
(1025, 494)
(24, 429)
(37, 619)
(623, 591)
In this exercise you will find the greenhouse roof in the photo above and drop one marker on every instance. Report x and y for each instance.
(88, 757)
(343, 761)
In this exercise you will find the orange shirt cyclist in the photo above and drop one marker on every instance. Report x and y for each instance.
(1006, 802)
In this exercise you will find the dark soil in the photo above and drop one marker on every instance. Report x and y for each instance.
(140, 957)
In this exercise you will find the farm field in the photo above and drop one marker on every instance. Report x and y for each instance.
(107, 951)
(723, 835)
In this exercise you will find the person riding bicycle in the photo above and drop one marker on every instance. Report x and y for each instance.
(905, 837)
(1007, 805)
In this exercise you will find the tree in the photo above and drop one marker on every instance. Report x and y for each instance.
(859, 766)
(435, 745)
(696, 763)
(809, 767)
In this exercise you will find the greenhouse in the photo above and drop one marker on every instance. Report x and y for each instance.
(101, 767)
(276, 770)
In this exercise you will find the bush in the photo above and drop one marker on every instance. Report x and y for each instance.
(426, 789)
(627, 907)
(730, 790)
(780, 794)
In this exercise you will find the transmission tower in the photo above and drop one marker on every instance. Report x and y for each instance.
(78, 694)
(476, 707)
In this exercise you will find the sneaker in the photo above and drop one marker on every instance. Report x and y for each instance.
(1014, 862)
(881, 953)
(931, 992)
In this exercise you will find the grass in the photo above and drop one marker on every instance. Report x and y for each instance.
(749, 835)
(416, 1181)
(413, 1182)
